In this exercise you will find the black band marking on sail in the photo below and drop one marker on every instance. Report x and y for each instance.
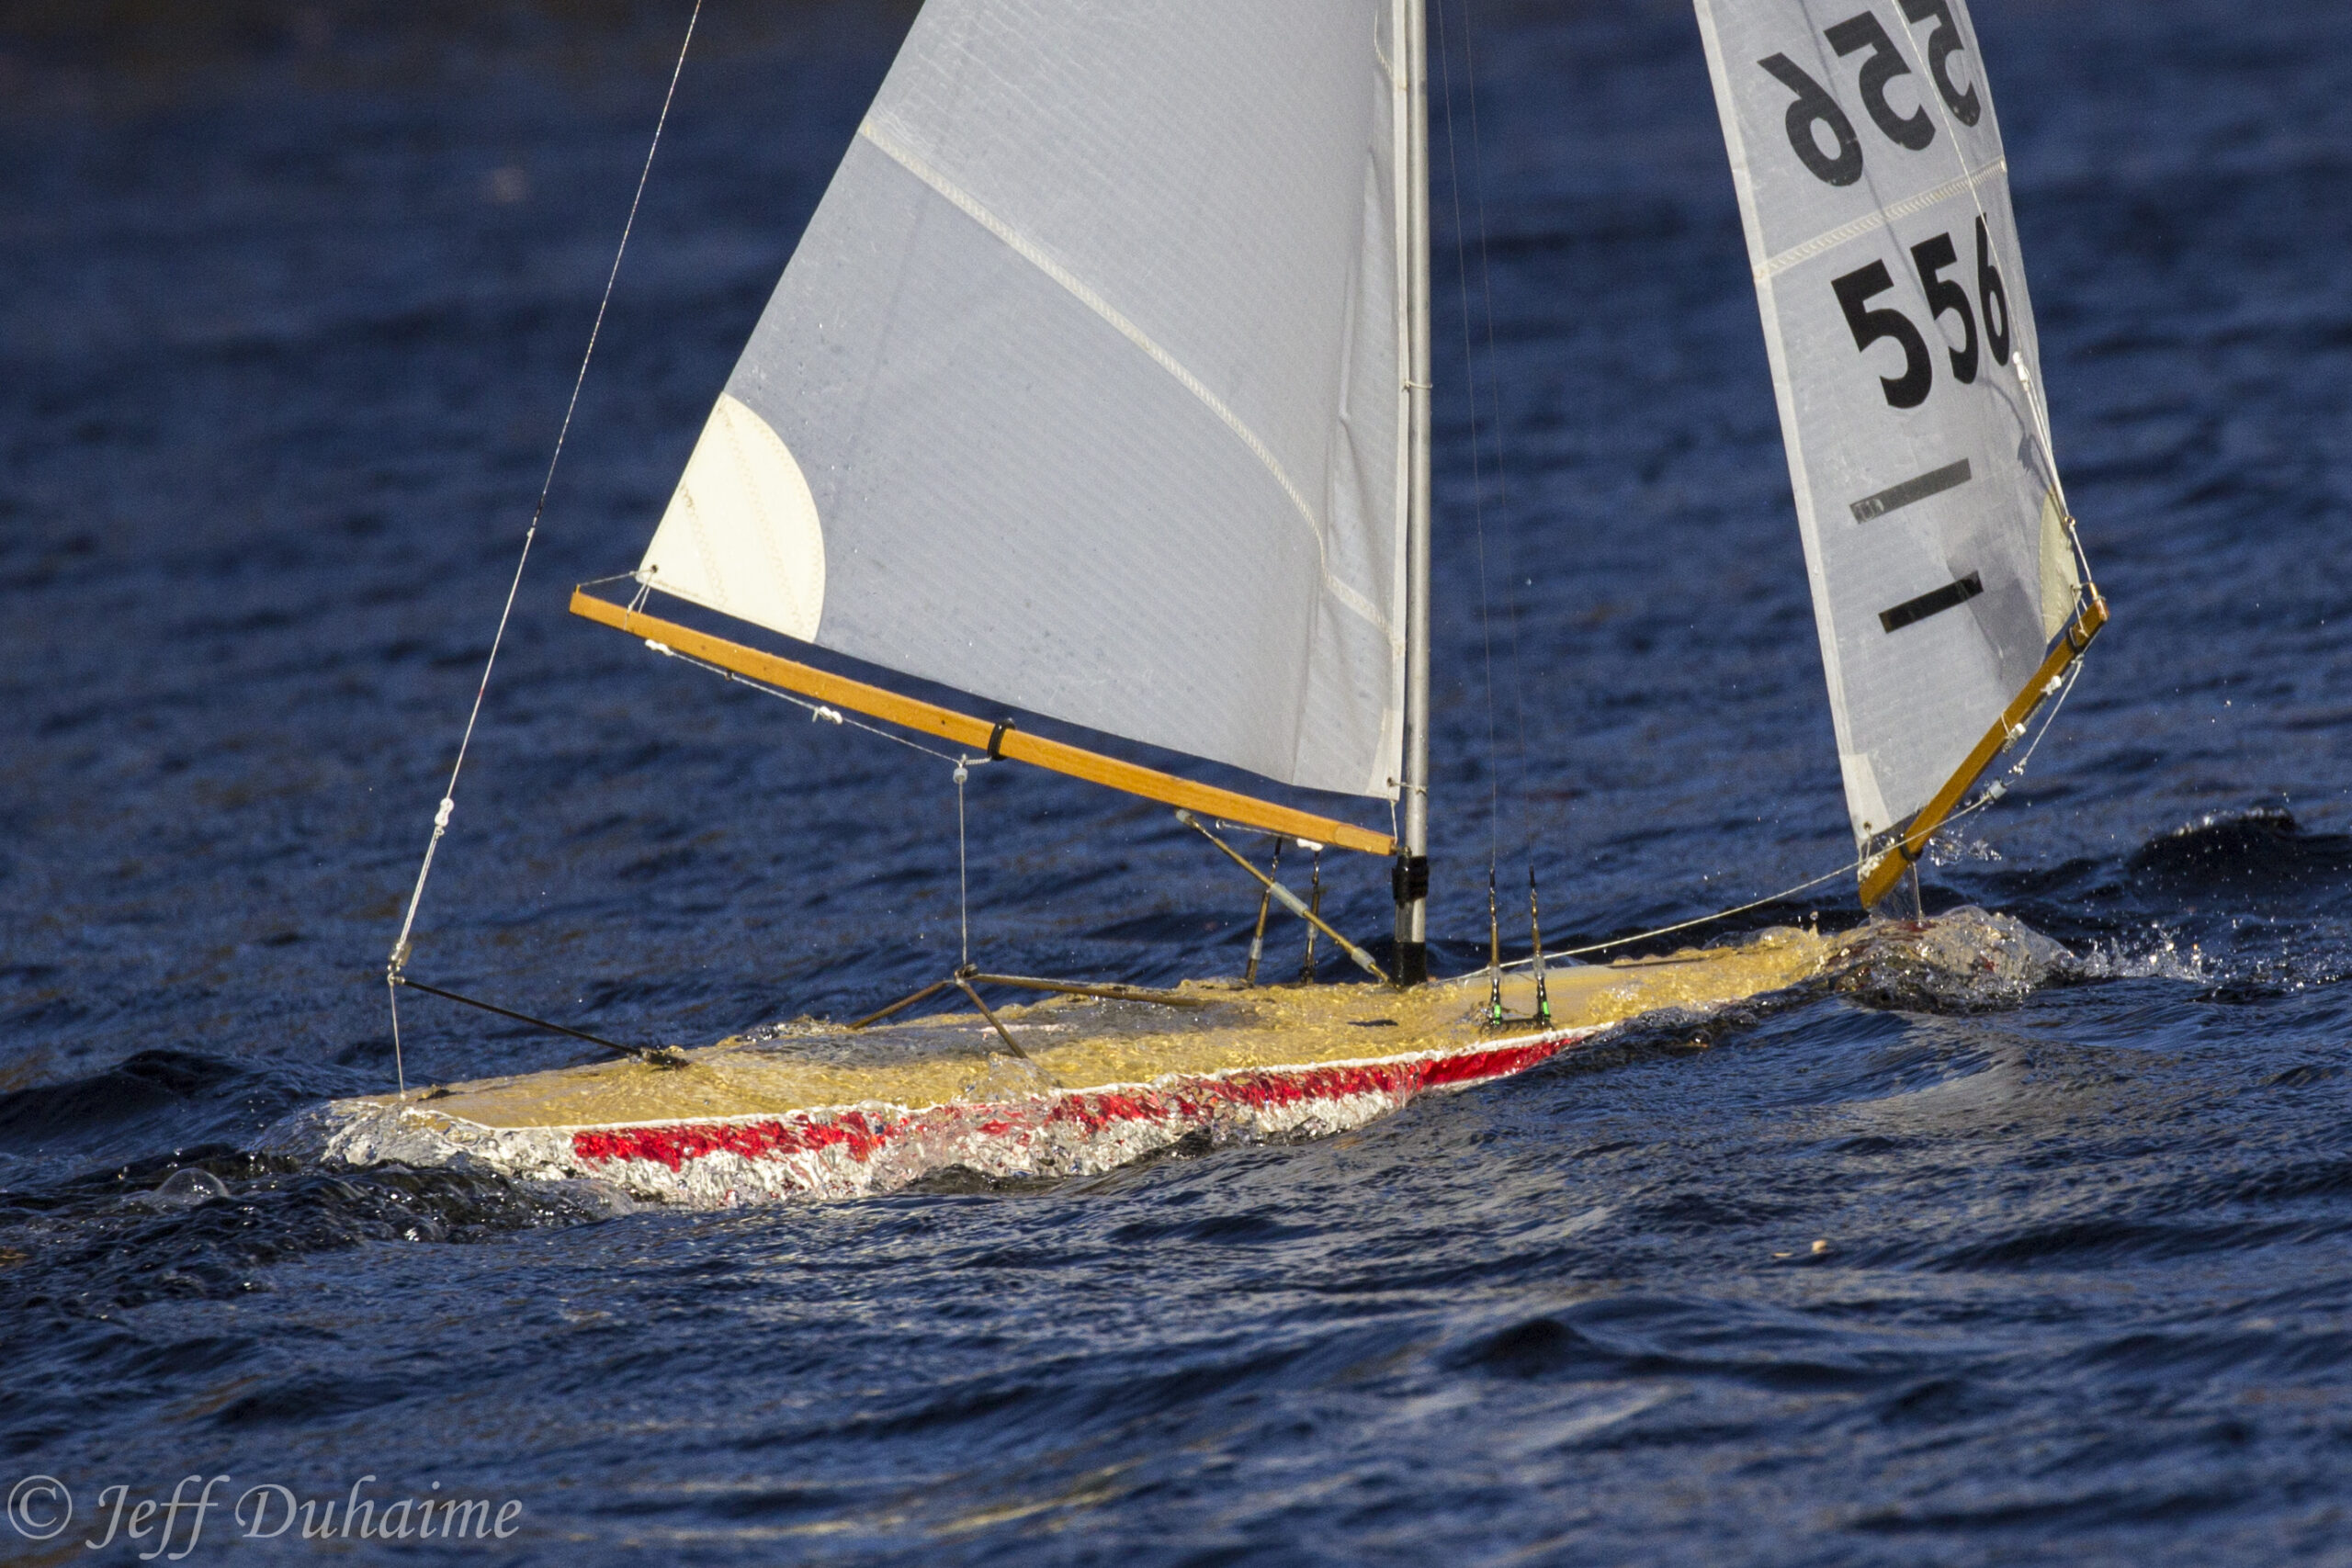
(1933, 604)
(1934, 481)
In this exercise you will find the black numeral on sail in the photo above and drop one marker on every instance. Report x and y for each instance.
(1993, 298)
(1855, 291)
(1914, 131)
(1814, 111)
(1942, 44)
(1946, 295)
(1931, 256)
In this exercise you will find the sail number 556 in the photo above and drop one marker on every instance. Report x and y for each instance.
(1946, 295)
(1814, 110)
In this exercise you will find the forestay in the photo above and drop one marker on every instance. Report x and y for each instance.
(1875, 195)
(1081, 393)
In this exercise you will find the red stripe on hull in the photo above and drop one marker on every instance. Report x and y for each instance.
(860, 1136)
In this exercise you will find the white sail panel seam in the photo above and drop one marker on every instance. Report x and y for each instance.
(1021, 245)
(1883, 218)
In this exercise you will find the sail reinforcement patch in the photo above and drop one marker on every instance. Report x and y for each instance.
(1933, 604)
(741, 534)
(1934, 481)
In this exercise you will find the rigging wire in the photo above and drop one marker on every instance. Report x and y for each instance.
(815, 711)
(398, 958)
(1493, 429)
(1495, 397)
(1478, 454)
(1502, 498)
(393, 995)
(1990, 794)
(963, 884)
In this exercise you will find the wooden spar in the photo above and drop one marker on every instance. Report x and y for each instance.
(981, 734)
(1880, 875)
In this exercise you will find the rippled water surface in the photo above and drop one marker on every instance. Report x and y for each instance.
(289, 304)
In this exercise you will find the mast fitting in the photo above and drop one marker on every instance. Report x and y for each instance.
(1408, 885)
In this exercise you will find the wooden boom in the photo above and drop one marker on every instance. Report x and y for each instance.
(998, 740)
(1880, 875)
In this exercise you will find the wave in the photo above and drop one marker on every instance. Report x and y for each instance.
(2264, 851)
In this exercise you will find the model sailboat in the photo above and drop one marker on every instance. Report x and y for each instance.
(1098, 389)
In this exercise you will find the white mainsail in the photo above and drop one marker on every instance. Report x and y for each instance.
(1084, 391)
(1875, 196)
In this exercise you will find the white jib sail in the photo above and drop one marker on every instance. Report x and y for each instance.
(1081, 393)
(1876, 200)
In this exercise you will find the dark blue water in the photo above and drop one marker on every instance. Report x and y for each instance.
(290, 303)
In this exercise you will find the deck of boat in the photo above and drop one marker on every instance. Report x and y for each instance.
(814, 1109)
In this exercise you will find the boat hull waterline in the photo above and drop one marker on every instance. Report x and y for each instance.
(861, 1150)
(818, 1111)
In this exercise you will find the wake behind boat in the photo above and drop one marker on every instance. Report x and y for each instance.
(1099, 389)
